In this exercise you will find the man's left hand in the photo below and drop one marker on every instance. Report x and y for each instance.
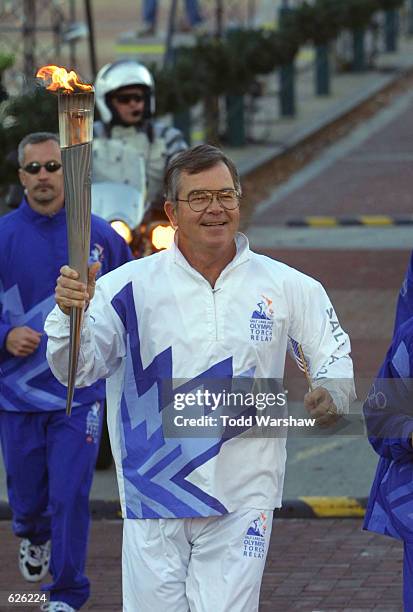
(321, 407)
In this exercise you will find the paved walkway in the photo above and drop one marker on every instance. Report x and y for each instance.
(367, 173)
(312, 566)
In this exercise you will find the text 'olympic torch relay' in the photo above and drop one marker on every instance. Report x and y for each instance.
(76, 104)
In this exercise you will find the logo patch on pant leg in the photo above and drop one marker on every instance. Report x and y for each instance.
(254, 539)
(92, 424)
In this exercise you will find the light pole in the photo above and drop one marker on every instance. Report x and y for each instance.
(29, 38)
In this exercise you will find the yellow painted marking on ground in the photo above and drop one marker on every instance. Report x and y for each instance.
(320, 449)
(198, 135)
(334, 506)
(307, 55)
(321, 221)
(157, 49)
(269, 25)
(376, 220)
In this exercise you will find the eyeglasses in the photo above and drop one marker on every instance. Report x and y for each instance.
(126, 98)
(35, 167)
(200, 200)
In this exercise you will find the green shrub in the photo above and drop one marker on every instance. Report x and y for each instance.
(32, 112)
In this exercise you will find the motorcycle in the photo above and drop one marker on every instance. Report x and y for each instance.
(124, 207)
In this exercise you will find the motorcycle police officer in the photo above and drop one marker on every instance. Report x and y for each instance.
(125, 98)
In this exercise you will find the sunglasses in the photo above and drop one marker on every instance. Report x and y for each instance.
(126, 98)
(35, 167)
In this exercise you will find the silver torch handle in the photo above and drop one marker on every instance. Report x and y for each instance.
(76, 132)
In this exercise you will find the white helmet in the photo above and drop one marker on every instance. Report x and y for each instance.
(121, 74)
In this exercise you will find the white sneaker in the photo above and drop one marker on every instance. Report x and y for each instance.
(34, 560)
(56, 606)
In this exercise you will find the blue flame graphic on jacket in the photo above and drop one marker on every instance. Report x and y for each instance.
(389, 417)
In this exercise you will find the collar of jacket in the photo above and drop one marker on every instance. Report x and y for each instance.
(242, 255)
(35, 217)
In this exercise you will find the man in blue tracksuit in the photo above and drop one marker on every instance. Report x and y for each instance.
(390, 434)
(389, 417)
(49, 458)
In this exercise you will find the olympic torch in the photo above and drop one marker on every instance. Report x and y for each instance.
(75, 104)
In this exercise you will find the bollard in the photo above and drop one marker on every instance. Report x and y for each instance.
(359, 51)
(410, 17)
(322, 70)
(182, 121)
(287, 90)
(235, 120)
(391, 30)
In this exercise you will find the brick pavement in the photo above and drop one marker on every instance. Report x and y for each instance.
(313, 565)
(328, 565)
(369, 173)
(363, 286)
(344, 270)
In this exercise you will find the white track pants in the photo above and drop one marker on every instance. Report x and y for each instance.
(197, 565)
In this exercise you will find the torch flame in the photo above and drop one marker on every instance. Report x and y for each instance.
(61, 80)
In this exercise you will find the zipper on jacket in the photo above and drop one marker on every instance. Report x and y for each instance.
(214, 291)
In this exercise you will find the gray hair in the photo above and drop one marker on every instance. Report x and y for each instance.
(34, 138)
(193, 161)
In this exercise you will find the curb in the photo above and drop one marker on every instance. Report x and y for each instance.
(300, 508)
(323, 507)
(361, 220)
(99, 509)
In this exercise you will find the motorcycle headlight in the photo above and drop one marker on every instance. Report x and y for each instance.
(162, 236)
(123, 230)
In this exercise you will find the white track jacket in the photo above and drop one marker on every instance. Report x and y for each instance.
(156, 322)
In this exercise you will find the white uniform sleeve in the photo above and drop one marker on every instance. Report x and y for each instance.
(325, 344)
(102, 342)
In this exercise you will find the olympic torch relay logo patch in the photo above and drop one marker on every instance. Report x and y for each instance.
(254, 539)
(262, 321)
(92, 424)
